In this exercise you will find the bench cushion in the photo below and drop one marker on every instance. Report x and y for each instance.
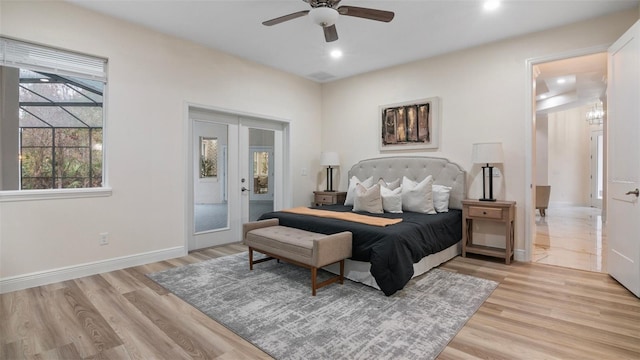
(291, 240)
(303, 246)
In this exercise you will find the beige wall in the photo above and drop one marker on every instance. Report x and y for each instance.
(151, 77)
(483, 100)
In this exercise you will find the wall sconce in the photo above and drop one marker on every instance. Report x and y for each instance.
(487, 153)
(329, 159)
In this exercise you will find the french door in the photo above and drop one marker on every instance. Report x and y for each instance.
(236, 173)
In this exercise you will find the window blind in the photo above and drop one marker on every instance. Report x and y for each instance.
(30, 56)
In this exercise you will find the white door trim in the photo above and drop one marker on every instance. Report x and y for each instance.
(529, 119)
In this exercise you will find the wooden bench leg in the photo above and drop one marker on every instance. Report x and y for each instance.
(250, 258)
(341, 271)
(314, 274)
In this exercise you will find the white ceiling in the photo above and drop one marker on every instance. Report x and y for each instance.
(419, 30)
(569, 83)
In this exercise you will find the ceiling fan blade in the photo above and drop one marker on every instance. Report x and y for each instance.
(330, 33)
(366, 13)
(284, 18)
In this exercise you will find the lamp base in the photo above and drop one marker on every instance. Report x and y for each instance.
(487, 200)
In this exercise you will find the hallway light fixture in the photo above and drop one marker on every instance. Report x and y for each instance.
(329, 159)
(487, 153)
(595, 116)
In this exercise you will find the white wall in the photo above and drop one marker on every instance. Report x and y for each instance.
(569, 162)
(151, 77)
(483, 100)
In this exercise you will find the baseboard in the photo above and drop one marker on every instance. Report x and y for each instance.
(520, 255)
(73, 272)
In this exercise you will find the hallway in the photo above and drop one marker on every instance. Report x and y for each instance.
(571, 237)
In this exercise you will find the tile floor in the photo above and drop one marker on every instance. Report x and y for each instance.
(571, 237)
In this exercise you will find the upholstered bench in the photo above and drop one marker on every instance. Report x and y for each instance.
(299, 247)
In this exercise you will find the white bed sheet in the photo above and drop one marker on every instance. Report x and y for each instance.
(359, 271)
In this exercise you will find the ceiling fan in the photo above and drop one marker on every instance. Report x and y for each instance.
(326, 12)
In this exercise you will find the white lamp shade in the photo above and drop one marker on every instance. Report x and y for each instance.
(329, 158)
(488, 153)
(324, 16)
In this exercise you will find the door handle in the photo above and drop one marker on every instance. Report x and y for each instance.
(635, 192)
(244, 189)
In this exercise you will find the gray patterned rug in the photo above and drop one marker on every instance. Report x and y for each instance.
(272, 308)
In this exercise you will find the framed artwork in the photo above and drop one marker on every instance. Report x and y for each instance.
(411, 125)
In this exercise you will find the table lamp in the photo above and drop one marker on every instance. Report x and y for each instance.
(329, 159)
(487, 153)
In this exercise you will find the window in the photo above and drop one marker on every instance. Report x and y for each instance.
(52, 118)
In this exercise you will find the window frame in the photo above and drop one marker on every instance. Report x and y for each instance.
(63, 62)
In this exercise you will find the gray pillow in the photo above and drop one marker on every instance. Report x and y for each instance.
(368, 200)
(418, 197)
(392, 185)
(351, 190)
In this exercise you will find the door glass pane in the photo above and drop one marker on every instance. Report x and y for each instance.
(211, 211)
(261, 143)
(260, 172)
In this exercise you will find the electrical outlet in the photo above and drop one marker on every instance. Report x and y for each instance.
(304, 172)
(496, 172)
(104, 238)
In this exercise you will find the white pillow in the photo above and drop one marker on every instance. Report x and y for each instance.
(441, 198)
(390, 185)
(368, 200)
(351, 191)
(391, 199)
(418, 197)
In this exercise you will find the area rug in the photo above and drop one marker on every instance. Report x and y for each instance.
(272, 308)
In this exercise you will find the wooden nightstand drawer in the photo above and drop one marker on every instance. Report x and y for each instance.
(485, 212)
(325, 199)
(328, 197)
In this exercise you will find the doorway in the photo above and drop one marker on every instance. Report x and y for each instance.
(237, 171)
(568, 147)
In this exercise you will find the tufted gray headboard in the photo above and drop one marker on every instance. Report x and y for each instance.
(416, 168)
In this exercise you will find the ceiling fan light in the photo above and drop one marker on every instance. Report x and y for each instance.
(324, 16)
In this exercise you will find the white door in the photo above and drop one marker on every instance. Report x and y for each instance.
(214, 177)
(220, 175)
(264, 139)
(623, 139)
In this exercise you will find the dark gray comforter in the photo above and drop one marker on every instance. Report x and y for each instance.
(391, 250)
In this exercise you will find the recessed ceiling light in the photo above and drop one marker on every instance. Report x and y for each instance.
(44, 79)
(543, 96)
(491, 5)
(336, 54)
(561, 81)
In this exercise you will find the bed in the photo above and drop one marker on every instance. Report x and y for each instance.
(388, 257)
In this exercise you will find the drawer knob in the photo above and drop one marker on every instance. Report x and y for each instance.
(484, 213)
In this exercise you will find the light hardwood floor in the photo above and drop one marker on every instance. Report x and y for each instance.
(537, 312)
(571, 236)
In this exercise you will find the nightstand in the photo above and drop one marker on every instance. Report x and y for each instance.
(329, 197)
(499, 211)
